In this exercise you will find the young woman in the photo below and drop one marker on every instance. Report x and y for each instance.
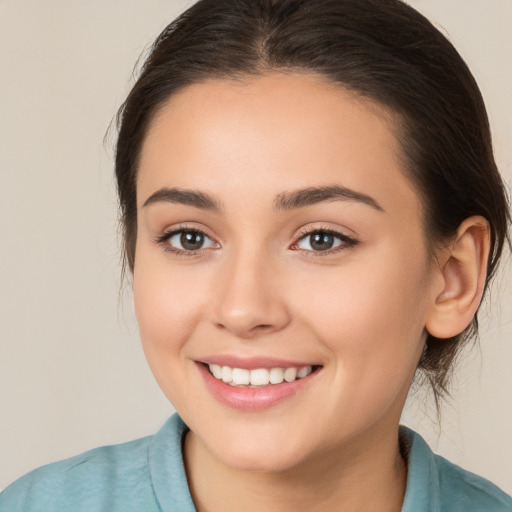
(312, 214)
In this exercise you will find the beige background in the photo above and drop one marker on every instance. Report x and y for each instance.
(72, 374)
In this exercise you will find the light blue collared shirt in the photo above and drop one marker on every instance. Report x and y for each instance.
(148, 475)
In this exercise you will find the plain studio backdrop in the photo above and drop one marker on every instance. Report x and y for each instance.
(72, 372)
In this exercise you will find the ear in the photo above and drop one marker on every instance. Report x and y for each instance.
(462, 271)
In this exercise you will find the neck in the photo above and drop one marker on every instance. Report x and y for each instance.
(368, 475)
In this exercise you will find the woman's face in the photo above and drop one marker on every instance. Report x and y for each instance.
(277, 234)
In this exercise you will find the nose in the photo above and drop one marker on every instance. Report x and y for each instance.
(250, 299)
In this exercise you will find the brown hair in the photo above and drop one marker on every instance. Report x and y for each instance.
(382, 49)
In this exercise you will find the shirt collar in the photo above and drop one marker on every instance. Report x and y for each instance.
(167, 468)
(422, 491)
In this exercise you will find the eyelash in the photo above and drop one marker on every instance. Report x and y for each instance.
(164, 239)
(346, 241)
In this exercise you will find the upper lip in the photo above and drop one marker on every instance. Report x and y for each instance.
(254, 362)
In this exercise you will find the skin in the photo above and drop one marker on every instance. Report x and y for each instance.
(257, 288)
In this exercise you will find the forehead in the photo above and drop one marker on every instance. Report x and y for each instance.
(271, 132)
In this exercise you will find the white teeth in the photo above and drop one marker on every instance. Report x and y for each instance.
(216, 370)
(290, 374)
(227, 374)
(304, 372)
(259, 376)
(240, 377)
(276, 376)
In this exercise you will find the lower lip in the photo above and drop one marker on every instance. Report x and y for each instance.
(252, 399)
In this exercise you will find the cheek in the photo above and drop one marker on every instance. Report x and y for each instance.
(371, 315)
(168, 307)
(169, 303)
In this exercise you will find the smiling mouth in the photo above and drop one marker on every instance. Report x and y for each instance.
(259, 377)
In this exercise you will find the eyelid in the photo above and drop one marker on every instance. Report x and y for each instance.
(164, 238)
(347, 242)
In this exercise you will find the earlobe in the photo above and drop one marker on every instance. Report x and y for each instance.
(463, 271)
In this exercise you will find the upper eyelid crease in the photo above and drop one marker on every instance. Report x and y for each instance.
(168, 234)
(347, 240)
(165, 237)
(337, 234)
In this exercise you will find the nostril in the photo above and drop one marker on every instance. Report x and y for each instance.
(247, 331)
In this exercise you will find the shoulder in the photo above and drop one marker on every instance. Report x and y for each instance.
(467, 492)
(89, 481)
(147, 475)
(436, 485)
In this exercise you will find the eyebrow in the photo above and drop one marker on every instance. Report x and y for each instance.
(314, 195)
(184, 196)
(285, 201)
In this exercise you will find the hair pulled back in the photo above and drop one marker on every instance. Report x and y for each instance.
(383, 50)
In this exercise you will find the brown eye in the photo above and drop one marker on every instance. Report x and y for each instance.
(188, 240)
(321, 241)
(191, 240)
(324, 240)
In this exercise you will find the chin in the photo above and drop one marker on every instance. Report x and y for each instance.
(263, 452)
(257, 460)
